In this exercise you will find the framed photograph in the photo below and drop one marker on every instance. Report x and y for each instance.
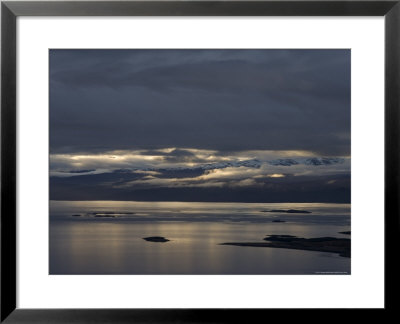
(197, 161)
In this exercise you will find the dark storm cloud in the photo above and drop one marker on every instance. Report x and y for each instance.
(217, 76)
(224, 100)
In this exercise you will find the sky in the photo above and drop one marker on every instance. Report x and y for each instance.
(200, 125)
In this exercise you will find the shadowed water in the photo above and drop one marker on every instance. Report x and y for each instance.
(106, 237)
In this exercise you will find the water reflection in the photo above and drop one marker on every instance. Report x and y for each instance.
(113, 247)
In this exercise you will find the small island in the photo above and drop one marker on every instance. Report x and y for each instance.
(158, 239)
(346, 232)
(113, 213)
(320, 244)
(109, 213)
(288, 211)
(278, 221)
(104, 216)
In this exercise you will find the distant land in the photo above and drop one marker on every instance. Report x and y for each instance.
(202, 195)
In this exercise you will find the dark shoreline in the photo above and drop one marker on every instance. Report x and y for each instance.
(320, 244)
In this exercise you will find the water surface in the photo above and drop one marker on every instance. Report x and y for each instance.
(106, 237)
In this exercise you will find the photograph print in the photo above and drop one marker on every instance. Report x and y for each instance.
(200, 161)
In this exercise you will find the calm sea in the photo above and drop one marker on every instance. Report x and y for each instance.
(106, 237)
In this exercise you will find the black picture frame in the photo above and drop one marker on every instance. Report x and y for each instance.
(10, 10)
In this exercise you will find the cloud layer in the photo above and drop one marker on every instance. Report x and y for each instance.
(225, 100)
(171, 174)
